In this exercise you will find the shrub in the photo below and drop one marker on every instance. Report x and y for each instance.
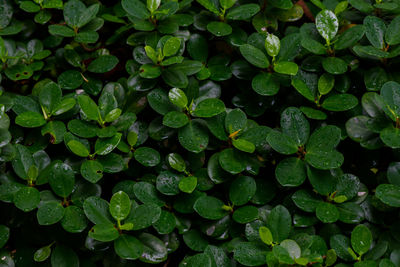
(199, 133)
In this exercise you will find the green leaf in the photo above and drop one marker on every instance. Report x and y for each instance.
(279, 222)
(194, 240)
(210, 208)
(334, 65)
(50, 212)
(88, 107)
(250, 253)
(159, 101)
(168, 182)
(306, 201)
(82, 128)
(265, 84)
(254, 55)
(178, 97)
(235, 120)
(61, 30)
(50, 97)
(389, 194)
(175, 119)
(27, 198)
(290, 172)
(77, 15)
(149, 71)
(313, 46)
(389, 95)
(242, 190)
(78, 148)
(350, 37)
(30, 119)
(392, 35)
(243, 145)
(327, 24)
(265, 235)
(282, 143)
(65, 105)
(74, 220)
(62, 179)
(56, 130)
(325, 83)
(152, 5)
(135, 8)
(340, 102)
(209, 107)
(166, 223)
(97, 210)
(147, 156)
(176, 162)
(361, 239)
(295, 125)
(120, 205)
(245, 214)
(105, 146)
(325, 138)
(285, 67)
(22, 161)
(103, 232)
(292, 248)
(303, 88)
(327, 212)
(232, 161)
(6, 13)
(272, 45)
(324, 160)
(219, 28)
(390, 136)
(147, 193)
(227, 3)
(243, 12)
(375, 29)
(171, 46)
(154, 250)
(188, 184)
(143, 216)
(313, 113)
(86, 37)
(209, 5)
(128, 247)
(103, 64)
(113, 115)
(193, 137)
(42, 254)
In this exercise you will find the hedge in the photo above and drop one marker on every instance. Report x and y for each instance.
(199, 133)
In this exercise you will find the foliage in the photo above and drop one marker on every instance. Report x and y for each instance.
(208, 133)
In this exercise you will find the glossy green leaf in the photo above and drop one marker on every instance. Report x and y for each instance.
(62, 179)
(210, 208)
(103, 64)
(30, 119)
(327, 24)
(219, 28)
(128, 247)
(361, 239)
(120, 205)
(209, 107)
(254, 56)
(147, 156)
